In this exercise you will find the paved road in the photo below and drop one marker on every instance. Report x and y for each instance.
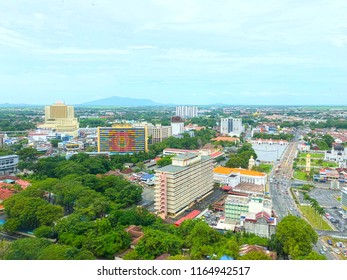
(280, 183)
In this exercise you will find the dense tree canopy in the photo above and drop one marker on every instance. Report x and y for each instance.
(242, 157)
(28, 213)
(296, 236)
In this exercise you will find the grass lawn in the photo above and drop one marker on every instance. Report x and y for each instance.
(303, 155)
(330, 164)
(315, 162)
(314, 219)
(300, 175)
(266, 167)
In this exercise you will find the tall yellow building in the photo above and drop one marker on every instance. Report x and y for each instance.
(61, 118)
(59, 111)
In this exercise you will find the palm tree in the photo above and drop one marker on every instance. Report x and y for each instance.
(314, 205)
(321, 212)
(307, 197)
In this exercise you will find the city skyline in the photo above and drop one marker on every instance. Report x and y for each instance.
(177, 52)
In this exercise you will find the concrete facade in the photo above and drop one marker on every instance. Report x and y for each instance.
(179, 185)
(61, 118)
(187, 111)
(8, 164)
(231, 126)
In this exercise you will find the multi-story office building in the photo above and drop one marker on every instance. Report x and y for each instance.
(235, 206)
(177, 125)
(61, 118)
(231, 126)
(158, 133)
(187, 180)
(254, 214)
(8, 164)
(187, 111)
(122, 138)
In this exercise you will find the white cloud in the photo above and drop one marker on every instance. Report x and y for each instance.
(144, 47)
(201, 55)
(14, 39)
(340, 41)
(80, 51)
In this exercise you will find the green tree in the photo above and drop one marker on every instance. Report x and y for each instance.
(26, 249)
(69, 167)
(45, 232)
(28, 154)
(65, 252)
(156, 243)
(4, 247)
(296, 236)
(236, 161)
(55, 142)
(255, 256)
(164, 161)
(28, 213)
(107, 244)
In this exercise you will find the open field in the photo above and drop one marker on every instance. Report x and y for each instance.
(300, 175)
(266, 167)
(303, 155)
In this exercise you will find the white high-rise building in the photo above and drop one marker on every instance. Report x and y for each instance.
(187, 111)
(231, 126)
(177, 125)
(187, 180)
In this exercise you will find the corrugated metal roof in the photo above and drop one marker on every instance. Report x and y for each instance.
(191, 215)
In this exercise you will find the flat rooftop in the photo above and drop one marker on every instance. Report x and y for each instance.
(248, 187)
(185, 156)
(8, 157)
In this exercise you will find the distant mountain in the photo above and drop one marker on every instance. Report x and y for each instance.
(122, 101)
(217, 105)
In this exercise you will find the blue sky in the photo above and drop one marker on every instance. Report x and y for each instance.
(181, 51)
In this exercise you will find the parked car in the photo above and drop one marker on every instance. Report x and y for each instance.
(329, 242)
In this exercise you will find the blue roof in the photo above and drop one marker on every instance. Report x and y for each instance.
(147, 176)
(9, 181)
(226, 258)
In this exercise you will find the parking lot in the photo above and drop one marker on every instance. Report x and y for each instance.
(326, 198)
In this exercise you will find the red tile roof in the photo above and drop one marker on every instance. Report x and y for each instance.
(5, 193)
(216, 154)
(23, 184)
(191, 215)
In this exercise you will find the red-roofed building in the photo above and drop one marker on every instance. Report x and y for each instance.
(261, 224)
(191, 216)
(136, 234)
(5, 194)
(226, 188)
(217, 155)
(23, 184)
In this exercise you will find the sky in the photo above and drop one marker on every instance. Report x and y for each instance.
(248, 52)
